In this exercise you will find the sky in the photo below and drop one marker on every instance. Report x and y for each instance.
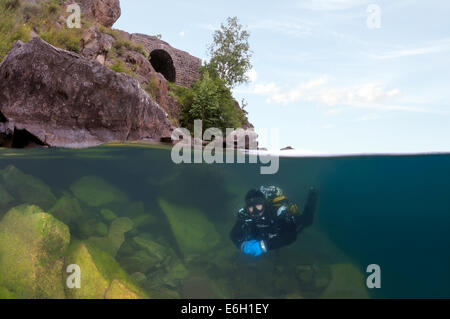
(331, 76)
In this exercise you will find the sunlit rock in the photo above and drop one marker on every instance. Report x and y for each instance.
(102, 277)
(32, 245)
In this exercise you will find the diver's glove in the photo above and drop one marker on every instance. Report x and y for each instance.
(254, 247)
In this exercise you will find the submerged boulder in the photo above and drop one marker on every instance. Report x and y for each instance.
(67, 209)
(58, 98)
(32, 246)
(101, 275)
(194, 233)
(26, 188)
(347, 282)
(95, 192)
(5, 198)
(116, 236)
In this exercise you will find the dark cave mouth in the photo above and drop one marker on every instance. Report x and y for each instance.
(162, 63)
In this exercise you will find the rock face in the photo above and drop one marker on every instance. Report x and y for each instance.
(175, 65)
(105, 12)
(57, 98)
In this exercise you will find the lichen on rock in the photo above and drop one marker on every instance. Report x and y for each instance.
(32, 245)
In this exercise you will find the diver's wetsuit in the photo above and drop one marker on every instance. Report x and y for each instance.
(277, 227)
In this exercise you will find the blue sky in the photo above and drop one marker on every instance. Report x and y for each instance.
(321, 76)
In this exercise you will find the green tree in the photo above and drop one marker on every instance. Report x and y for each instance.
(230, 53)
(206, 103)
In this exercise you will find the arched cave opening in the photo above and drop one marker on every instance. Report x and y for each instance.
(162, 62)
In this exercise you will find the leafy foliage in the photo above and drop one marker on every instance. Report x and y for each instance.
(230, 53)
(209, 100)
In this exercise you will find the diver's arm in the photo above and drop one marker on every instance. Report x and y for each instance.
(237, 234)
(285, 235)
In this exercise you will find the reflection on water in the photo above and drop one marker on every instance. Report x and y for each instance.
(140, 226)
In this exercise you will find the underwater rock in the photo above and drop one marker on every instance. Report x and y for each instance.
(133, 209)
(197, 286)
(101, 277)
(176, 274)
(67, 209)
(158, 251)
(141, 261)
(118, 290)
(86, 228)
(293, 296)
(139, 277)
(143, 221)
(347, 282)
(116, 236)
(26, 188)
(32, 245)
(312, 277)
(5, 198)
(93, 284)
(95, 192)
(101, 229)
(194, 233)
(108, 215)
(6, 294)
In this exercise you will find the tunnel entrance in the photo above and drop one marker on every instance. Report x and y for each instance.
(162, 62)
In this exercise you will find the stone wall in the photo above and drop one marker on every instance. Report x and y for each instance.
(186, 66)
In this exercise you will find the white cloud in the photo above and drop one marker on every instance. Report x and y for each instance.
(435, 47)
(182, 33)
(252, 75)
(319, 90)
(368, 117)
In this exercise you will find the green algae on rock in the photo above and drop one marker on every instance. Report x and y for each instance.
(32, 245)
(108, 215)
(95, 192)
(101, 276)
(67, 209)
(347, 282)
(116, 236)
(194, 233)
(6, 294)
(26, 188)
(5, 198)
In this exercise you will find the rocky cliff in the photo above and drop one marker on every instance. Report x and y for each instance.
(84, 87)
(64, 99)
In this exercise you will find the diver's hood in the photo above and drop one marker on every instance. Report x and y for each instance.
(257, 201)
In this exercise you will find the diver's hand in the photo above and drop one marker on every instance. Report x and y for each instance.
(254, 248)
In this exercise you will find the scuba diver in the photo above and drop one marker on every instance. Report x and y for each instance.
(270, 220)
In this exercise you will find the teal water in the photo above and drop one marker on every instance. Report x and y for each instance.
(393, 211)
